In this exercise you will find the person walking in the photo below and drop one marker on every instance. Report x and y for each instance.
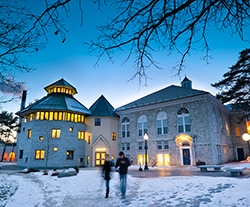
(123, 163)
(106, 173)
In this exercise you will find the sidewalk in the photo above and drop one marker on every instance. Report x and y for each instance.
(12, 168)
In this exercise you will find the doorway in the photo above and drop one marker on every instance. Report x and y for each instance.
(186, 156)
(240, 154)
(99, 158)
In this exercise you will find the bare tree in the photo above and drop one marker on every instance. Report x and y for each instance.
(142, 28)
(23, 32)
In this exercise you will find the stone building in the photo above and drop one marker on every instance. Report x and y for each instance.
(58, 131)
(184, 126)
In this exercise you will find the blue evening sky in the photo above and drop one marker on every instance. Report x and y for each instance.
(73, 62)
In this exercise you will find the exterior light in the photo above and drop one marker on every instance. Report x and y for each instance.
(246, 137)
(145, 137)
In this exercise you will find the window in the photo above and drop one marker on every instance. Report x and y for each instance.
(29, 132)
(55, 149)
(237, 131)
(127, 146)
(142, 125)
(183, 120)
(123, 146)
(97, 121)
(81, 135)
(39, 154)
(125, 128)
(159, 145)
(21, 154)
(140, 145)
(71, 129)
(161, 123)
(69, 155)
(162, 145)
(165, 145)
(114, 136)
(55, 133)
(41, 138)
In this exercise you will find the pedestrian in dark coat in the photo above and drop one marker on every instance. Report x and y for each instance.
(106, 173)
(123, 163)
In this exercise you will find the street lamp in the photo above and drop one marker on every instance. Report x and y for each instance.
(145, 137)
(246, 137)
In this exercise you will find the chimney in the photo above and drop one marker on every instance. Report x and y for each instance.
(24, 95)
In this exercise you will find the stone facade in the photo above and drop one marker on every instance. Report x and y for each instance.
(184, 126)
(209, 140)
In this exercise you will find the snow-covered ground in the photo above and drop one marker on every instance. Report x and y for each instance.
(87, 189)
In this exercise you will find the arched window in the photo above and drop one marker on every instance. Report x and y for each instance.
(125, 128)
(183, 120)
(142, 125)
(161, 123)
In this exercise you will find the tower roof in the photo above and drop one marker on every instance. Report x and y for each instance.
(102, 108)
(61, 83)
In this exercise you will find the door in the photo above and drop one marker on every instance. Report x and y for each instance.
(100, 158)
(240, 153)
(186, 156)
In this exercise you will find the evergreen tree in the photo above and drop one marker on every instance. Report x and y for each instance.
(235, 84)
(8, 126)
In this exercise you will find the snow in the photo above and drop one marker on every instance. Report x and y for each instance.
(87, 188)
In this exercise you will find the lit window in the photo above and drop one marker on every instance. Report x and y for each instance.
(42, 116)
(39, 154)
(50, 115)
(237, 131)
(89, 140)
(55, 133)
(37, 115)
(125, 128)
(71, 129)
(97, 121)
(69, 155)
(114, 136)
(41, 138)
(55, 115)
(60, 116)
(55, 149)
(29, 132)
(68, 116)
(46, 115)
(82, 119)
(81, 135)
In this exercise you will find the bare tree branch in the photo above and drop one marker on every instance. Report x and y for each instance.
(143, 28)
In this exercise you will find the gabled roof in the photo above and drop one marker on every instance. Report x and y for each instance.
(62, 83)
(99, 139)
(56, 102)
(102, 108)
(166, 94)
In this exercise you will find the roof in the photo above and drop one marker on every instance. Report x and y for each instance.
(166, 94)
(56, 102)
(62, 83)
(102, 108)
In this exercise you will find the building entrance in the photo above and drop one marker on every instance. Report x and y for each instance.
(99, 158)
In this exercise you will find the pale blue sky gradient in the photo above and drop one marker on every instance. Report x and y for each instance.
(73, 62)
